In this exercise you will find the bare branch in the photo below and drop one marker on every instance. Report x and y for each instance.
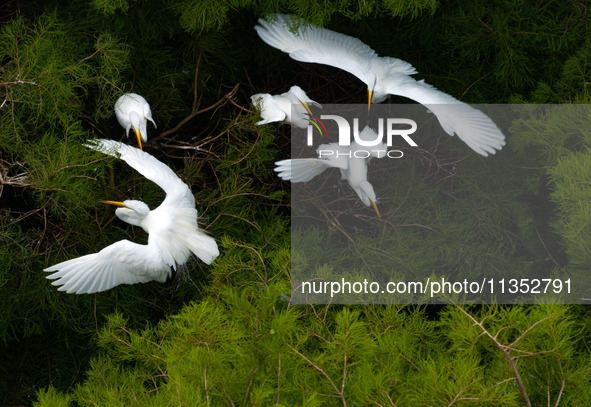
(195, 111)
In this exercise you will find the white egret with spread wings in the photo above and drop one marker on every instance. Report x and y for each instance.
(383, 76)
(172, 228)
(351, 160)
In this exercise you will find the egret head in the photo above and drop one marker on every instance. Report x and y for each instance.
(135, 125)
(298, 94)
(376, 92)
(130, 211)
(368, 195)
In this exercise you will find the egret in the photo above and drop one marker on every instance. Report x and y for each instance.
(276, 108)
(133, 112)
(383, 76)
(172, 228)
(353, 166)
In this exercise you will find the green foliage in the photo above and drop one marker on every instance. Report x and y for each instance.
(551, 132)
(228, 334)
(111, 7)
(572, 195)
(197, 16)
(52, 69)
(248, 348)
(51, 397)
(573, 82)
(501, 49)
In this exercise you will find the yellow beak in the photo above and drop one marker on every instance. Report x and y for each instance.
(139, 139)
(306, 106)
(376, 208)
(116, 203)
(369, 96)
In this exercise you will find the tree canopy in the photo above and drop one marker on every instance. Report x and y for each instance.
(227, 334)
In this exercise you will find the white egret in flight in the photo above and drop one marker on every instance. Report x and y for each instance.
(133, 112)
(172, 228)
(383, 76)
(276, 108)
(351, 160)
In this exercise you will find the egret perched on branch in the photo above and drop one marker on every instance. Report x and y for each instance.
(276, 108)
(383, 76)
(353, 165)
(133, 112)
(172, 228)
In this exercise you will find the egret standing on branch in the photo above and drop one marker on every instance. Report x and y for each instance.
(353, 166)
(172, 228)
(383, 76)
(276, 108)
(133, 112)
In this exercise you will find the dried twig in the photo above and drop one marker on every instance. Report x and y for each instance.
(195, 111)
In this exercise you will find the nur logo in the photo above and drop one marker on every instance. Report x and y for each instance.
(389, 127)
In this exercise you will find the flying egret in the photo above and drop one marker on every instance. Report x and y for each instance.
(172, 228)
(383, 76)
(133, 112)
(349, 159)
(276, 108)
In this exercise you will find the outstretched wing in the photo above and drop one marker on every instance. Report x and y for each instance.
(177, 192)
(300, 169)
(472, 126)
(304, 169)
(119, 263)
(308, 43)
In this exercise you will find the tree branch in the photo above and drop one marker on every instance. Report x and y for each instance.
(321, 370)
(505, 350)
(196, 102)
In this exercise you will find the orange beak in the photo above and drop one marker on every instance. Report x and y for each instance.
(139, 139)
(376, 208)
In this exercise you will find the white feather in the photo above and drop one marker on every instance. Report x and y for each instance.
(277, 108)
(353, 167)
(172, 228)
(383, 76)
(133, 111)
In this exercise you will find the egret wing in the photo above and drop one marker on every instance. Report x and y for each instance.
(122, 106)
(123, 262)
(304, 169)
(307, 43)
(148, 113)
(301, 169)
(177, 192)
(269, 108)
(471, 125)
